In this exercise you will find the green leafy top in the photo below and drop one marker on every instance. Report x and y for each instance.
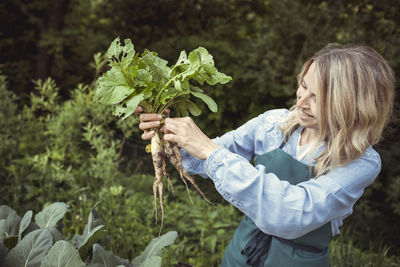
(147, 80)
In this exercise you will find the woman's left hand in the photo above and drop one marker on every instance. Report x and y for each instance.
(185, 133)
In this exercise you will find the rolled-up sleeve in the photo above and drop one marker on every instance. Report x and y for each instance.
(241, 141)
(286, 210)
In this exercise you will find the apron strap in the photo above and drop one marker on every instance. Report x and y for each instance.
(282, 144)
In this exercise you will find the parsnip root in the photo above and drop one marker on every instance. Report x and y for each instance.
(175, 157)
(158, 155)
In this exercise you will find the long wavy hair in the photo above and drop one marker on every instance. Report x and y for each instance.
(355, 92)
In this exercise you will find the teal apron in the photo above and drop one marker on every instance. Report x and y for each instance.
(251, 247)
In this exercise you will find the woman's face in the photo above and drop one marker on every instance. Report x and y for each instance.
(306, 100)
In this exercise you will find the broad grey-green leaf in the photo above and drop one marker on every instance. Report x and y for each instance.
(103, 258)
(31, 250)
(3, 254)
(51, 214)
(25, 221)
(91, 234)
(112, 88)
(208, 100)
(89, 239)
(193, 108)
(153, 261)
(56, 234)
(154, 248)
(62, 253)
(9, 222)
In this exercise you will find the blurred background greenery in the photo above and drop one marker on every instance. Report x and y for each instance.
(58, 145)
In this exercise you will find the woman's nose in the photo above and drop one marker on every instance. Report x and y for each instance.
(301, 100)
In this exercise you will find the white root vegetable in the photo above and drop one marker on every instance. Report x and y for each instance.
(175, 157)
(159, 162)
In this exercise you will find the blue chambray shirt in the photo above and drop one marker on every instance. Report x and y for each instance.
(277, 207)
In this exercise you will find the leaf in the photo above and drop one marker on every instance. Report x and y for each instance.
(51, 214)
(62, 253)
(177, 85)
(91, 234)
(212, 242)
(120, 56)
(208, 100)
(181, 109)
(153, 261)
(197, 89)
(168, 94)
(193, 68)
(215, 78)
(157, 67)
(143, 78)
(193, 109)
(129, 106)
(154, 248)
(209, 72)
(112, 88)
(31, 250)
(56, 234)
(25, 222)
(182, 59)
(9, 222)
(101, 258)
(3, 254)
(206, 60)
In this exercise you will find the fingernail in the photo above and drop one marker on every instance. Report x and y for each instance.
(159, 117)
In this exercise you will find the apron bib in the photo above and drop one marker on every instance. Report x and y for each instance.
(251, 247)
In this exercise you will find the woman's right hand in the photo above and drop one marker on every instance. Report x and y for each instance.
(149, 121)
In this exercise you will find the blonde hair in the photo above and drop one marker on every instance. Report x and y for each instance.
(355, 91)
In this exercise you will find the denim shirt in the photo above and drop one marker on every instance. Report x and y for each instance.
(277, 207)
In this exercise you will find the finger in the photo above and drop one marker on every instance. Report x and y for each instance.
(148, 135)
(144, 117)
(171, 138)
(171, 125)
(148, 125)
(162, 129)
(139, 109)
(175, 121)
(167, 112)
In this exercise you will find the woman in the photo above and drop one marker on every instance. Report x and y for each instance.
(312, 163)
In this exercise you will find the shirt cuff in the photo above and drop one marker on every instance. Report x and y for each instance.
(190, 163)
(214, 161)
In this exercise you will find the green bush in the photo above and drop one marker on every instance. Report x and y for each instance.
(38, 243)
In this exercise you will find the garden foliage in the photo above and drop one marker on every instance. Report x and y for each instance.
(76, 152)
(38, 242)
